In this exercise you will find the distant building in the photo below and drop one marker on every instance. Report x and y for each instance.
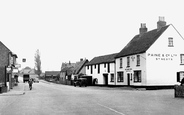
(52, 75)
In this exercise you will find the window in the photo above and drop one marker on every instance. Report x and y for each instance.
(121, 63)
(95, 66)
(112, 77)
(138, 60)
(128, 61)
(98, 68)
(104, 65)
(108, 67)
(120, 77)
(170, 41)
(137, 76)
(182, 59)
(91, 69)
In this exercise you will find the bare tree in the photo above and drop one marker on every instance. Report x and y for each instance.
(38, 63)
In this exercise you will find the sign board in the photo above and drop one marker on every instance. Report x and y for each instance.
(24, 60)
(8, 69)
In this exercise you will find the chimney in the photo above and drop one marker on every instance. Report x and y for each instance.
(142, 29)
(161, 23)
(81, 59)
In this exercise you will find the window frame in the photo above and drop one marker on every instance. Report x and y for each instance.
(120, 76)
(120, 63)
(128, 61)
(112, 77)
(181, 59)
(138, 78)
(170, 42)
(138, 60)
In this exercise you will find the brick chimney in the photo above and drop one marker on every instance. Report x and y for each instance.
(142, 29)
(161, 23)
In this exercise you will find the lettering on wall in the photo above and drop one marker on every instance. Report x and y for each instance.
(164, 57)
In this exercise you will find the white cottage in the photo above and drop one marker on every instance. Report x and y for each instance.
(151, 58)
(102, 68)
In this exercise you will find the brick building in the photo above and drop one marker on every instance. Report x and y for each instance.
(7, 64)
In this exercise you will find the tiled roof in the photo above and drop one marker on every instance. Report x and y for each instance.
(48, 73)
(68, 70)
(78, 66)
(102, 59)
(140, 44)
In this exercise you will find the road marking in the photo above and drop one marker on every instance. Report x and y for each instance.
(111, 109)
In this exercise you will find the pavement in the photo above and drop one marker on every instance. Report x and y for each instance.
(17, 90)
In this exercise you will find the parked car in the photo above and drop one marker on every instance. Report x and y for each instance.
(80, 82)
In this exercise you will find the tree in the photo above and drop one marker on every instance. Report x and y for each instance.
(38, 70)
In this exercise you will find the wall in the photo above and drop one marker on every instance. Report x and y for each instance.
(130, 70)
(103, 70)
(4, 51)
(163, 62)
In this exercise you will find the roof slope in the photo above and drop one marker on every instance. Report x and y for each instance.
(102, 59)
(78, 66)
(49, 73)
(140, 44)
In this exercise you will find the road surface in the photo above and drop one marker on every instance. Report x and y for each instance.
(53, 99)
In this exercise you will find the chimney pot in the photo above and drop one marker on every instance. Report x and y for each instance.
(142, 29)
(161, 22)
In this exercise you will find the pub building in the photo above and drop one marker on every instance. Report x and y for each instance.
(152, 58)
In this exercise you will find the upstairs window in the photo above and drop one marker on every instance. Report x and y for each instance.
(128, 61)
(91, 69)
(182, 59)
(98, 68)
(120, 63)
(138, 60)
(170, 42)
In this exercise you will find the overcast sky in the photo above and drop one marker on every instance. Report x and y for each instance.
(67, 30)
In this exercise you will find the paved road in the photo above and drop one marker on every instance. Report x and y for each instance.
(53, 99)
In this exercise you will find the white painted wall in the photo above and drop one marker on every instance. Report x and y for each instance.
(131, 69)
(103, 70)
(163, 72)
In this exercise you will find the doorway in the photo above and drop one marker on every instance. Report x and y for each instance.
(128, 79)
(105, 79)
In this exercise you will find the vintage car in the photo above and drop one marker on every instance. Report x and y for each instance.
(80, 82)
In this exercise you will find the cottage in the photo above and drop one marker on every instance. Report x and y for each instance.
(79, 68)
(151, 58)
(102, 69)
(66, 75)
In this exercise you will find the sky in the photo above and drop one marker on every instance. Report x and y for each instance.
(68, 30)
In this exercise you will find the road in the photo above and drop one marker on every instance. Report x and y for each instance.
(55, 99)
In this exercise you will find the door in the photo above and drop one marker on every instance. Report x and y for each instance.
(105, 79)
(128, 79)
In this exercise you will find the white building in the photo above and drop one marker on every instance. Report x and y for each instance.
(102, 68)
(151, 58)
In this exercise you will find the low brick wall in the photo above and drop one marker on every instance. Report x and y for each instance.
(179, 91)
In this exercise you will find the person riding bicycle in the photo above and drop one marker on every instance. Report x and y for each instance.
(30, 83)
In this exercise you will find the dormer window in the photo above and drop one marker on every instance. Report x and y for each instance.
(170, 42)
